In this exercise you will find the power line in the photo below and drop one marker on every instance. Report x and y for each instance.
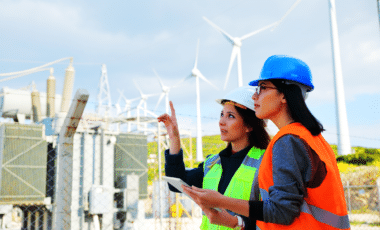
(40, 62)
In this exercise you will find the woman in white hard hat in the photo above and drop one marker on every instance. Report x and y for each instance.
(299, 181)
(231, 172)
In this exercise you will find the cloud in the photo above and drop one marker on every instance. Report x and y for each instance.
(70, 27)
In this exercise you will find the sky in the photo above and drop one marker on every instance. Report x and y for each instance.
(134, 37)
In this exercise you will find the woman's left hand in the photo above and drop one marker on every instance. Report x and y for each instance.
(220, 217)
(208, 199)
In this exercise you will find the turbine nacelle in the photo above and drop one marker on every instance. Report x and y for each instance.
(165, 89)
(195, 72)
(237, 42)
(144, 97)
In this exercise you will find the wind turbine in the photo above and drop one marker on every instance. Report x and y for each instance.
(127, 107)
(237, 42)
(164, 93)
(142, 105)
(195, 73)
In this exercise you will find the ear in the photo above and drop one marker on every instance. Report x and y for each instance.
(283, 100)
(248, 129)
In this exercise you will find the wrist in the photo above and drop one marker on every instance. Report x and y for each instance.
(240, 223)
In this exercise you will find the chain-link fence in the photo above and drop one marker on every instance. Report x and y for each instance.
(99, 180)
(363, 206)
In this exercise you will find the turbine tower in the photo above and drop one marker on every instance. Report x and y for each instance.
(378, 10)
(344, 146)
(195, 73)
(104, 96)
(237, 42)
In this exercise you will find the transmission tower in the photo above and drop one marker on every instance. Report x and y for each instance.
(104, 96)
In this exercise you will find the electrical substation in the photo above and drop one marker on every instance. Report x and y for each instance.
(63, 169)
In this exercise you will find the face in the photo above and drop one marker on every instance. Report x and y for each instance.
(232, 128)
(270, 101)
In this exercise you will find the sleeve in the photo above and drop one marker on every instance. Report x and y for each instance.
(175, 167)
(249, 224)
(295, 166)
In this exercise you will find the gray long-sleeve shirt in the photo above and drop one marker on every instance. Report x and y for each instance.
(295, 167)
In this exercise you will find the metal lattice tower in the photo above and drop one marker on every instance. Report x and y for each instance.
(104, 96)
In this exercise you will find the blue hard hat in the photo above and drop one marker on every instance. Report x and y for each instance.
(286, 68)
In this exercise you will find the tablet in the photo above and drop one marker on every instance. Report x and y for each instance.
(177, 182)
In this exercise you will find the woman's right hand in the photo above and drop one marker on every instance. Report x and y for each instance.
(171, 125)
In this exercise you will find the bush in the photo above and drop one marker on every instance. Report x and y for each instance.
(362, 156)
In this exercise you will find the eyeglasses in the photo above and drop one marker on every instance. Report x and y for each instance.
(263, 87)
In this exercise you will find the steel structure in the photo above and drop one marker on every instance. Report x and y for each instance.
(104, 95)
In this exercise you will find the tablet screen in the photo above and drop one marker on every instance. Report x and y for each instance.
(175, 182)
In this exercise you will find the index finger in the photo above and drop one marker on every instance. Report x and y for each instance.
(172, 108)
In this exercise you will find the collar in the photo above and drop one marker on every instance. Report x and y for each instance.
(228, 153)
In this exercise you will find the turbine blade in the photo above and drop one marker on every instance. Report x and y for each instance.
(205, 79)
(151, 95)
(121, 95)
(180, 82)
(259, 30)
(225, 34)
(134, 99)
(196, 55)
(159, 100)
(189, 77)
(286, 14)
(159, 79)
(233, 56)
(138, 88)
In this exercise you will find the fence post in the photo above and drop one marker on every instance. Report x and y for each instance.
(378, 190)
(349, 196)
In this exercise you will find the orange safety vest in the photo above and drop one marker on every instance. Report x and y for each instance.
(323, 207)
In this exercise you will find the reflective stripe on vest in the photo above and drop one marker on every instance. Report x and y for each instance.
(241, 185)
(323, 216)
(321, 208)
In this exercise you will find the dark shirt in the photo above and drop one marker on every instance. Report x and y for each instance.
(175, 167)
(296, 167)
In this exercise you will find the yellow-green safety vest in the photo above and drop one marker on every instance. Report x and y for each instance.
(243, 185)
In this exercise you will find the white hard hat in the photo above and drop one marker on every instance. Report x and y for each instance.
(241, 95)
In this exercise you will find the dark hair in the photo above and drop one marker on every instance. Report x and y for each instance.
(258, 137)
(297, 106)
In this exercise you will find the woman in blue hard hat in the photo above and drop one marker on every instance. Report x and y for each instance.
(232, 171)
(299, 181)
